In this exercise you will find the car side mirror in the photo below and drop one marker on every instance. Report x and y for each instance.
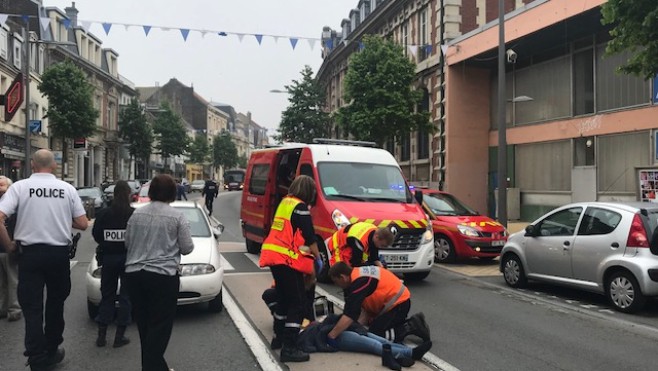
(218, 230)
(418, 195)
(530, 231)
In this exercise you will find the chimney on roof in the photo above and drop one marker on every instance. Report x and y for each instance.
(249, 117)
(72, 14)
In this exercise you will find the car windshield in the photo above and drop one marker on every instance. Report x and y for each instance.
(133, 184)
(144, 191)
(198, 223)
(363, 182)
(89, 192)
(446, 204)
(234, 176)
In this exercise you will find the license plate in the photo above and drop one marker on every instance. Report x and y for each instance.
(498, 243)
(396, 258)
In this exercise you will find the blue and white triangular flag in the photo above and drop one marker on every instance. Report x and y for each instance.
(259, 38)
(240, 36)
(86, 25)
(3, 18)
(293, 43)
(311, 43)
(184, 32)
(222, 33)
(147, 29)
(67, 23)
(444, 50)
(329, 44)
(107, 26)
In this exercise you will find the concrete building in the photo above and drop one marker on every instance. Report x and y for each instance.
(584, 134)
(576, 129)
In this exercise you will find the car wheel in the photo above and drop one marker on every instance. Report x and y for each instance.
(444, 250)
(252, 247)
(624, 292)
(323, 275)
(92, 310)
(416, 276)
(513, 271)
(216, 305)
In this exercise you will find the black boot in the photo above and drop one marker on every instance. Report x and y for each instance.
(290, 351)
(419, 351)
(405, 361)
(414, 325)
(102, 332)
(387, 358)
(119, 338)
(279, 326)
(39, 363)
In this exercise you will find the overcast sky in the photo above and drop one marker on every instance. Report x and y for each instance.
(222, 69)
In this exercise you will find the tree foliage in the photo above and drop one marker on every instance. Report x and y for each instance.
(71, 113)
(378, 86)
(224, 152)
(304, 119)
(242, 162)
(635, 28)
(135, 130)
(169, 132)
(199, 149)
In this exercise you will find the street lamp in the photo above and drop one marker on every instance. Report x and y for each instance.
(26, 76)
(514, 101)
(502, 126)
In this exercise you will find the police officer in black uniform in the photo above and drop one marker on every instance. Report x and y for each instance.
(46, 209)
(210, 191)
(108, 231)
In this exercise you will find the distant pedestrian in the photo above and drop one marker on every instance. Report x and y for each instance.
(108, 231)
(9, 307)
(46, 209)
(210, 192)
(156, 236)
(180, 191)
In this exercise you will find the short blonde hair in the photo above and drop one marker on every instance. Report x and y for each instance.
(9, 181)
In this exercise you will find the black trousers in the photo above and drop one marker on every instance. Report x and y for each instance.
(153, 297)
(289, 285)
(391, 319)
(39, 266)
(209, 200)
(113, 269)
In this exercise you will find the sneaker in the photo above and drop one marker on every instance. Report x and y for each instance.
(14, 317)
(39, 363)
(420, 327)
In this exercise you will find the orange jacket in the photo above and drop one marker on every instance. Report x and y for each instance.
(338, 247)
(282, 244)
(390, 290)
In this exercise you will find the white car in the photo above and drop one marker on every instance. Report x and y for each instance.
(201, 271)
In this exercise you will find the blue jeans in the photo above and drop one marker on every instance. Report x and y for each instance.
(370, 343)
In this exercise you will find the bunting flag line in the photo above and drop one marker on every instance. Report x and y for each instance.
(444, 49)
(240, 36)
(259, 38)
(293, 43)
(67, 23)
(3, 19)
(311, 43)
(85, 25)
(184, 32)
(147, 29)
(45, 22)
(107, 27)
(413, 49)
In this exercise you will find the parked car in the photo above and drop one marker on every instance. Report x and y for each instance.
(109, 194)
(94, 193)
(197, 185)
(135, 186)
(459, 231)
(143, 195)
(594, 246)
(201, 271)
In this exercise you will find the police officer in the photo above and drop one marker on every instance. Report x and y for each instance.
(109, 231)
(210, 191)
(46, 209)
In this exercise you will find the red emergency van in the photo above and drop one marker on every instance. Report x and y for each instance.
(355, 182)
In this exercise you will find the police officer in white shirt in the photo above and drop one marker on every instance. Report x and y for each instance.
(46, 209)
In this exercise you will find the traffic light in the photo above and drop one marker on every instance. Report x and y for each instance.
(13, 97)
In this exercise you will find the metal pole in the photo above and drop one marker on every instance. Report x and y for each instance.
(26, 76)
(502, 128)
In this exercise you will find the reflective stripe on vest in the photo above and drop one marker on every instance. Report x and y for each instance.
(360, 231)
(391, 302)
(390, 290)
(280, 249)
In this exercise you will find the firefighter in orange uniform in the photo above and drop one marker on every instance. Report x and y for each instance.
(358, 244)
(291, 251)
(376, 297)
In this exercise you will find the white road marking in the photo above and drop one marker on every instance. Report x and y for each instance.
(254, 259)
(428, 358)
(260, 350)
(72, 264)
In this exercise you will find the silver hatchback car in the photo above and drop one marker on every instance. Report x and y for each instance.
(595, 246)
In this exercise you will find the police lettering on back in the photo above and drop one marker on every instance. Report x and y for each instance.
(114, 235)
(47, 192)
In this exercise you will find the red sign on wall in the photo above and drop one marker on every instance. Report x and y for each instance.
(80, 143)
(14, 97)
